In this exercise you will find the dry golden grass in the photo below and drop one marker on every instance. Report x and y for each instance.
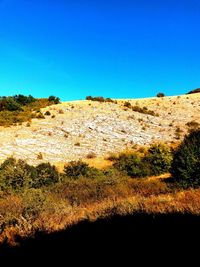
(151, 196)
(98, 162)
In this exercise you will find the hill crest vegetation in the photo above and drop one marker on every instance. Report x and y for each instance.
(19, 108)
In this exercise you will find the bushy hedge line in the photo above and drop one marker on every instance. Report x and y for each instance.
(13, 103)
(100, 99)
(155, 162)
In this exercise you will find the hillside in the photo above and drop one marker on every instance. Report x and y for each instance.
(75, 129)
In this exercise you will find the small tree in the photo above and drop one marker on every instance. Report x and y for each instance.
(159, 158)
(186, 161)
(54, 99)
(12, 105)
(160, 94)
(88, 97)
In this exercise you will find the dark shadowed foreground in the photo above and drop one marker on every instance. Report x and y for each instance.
(136, 237)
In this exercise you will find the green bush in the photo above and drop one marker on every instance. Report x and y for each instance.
(186, 161)
(131, 164)
(127, 104)
(20, 108)
(13, 103)
(160, 95)
(34, 202)
(47, 113)
(46, 175)
(54, 99)
(24, 100)
(101, 99)
(158, 158)
(15, 175)
(76, 169)
(18, 175)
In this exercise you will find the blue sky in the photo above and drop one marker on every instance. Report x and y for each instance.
(74, 48)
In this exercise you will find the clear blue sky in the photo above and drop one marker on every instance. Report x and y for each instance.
(114, 48)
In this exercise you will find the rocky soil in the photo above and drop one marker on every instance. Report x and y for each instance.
(82, 127)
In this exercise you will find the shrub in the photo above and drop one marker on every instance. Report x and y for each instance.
(159, 158)
(60, 111)
(34, 202)
(75, 169)
(40, 115)
(193, 125)
(12, 105)
(77, 144)
(19, 108)
(178, 132)
(194, 91)
(112, 157)
(47, 113)
(131, 164)
(88, 97)
(160, 95)
(144, 110)
(127, 104)
(91, 155)
(54, 99)
(15, 175)
(24, 100)
(186, 161)
(45, 175)
(40, 156)
(100, 99)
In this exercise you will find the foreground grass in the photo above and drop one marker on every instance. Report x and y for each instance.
(66, 204)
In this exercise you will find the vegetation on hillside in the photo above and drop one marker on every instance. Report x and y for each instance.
(41, 198)
(19, 108)
(194, 91)
(160, 94)
(101, 99)
(186, 162)
(143, 110)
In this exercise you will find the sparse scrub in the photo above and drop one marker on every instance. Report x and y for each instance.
(100, 99)
(40, 156)
(127, 104)
(60, 111)
(77, 144)
(195, 91)
(143, 110)
(19, 108)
